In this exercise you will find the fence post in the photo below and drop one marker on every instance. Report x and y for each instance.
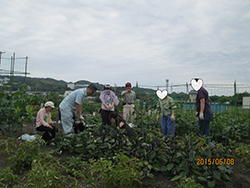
(235, 99)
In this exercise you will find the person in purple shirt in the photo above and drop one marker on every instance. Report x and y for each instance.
(108, 99)
(204, 111)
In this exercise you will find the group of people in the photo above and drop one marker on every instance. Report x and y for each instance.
(109, 99)
(166, 107)
(73, 103)
(67, 108)
(72, 106)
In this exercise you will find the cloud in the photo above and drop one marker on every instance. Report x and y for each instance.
(119, 41)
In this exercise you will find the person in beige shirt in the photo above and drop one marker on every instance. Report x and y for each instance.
(129, 98)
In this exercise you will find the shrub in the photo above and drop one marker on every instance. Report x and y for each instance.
(7, 178)
(123, 171)
(24, 155)
(188, 183)
(48, 172)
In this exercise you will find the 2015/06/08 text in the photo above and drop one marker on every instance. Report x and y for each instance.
(215, 161)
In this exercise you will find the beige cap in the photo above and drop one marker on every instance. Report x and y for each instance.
(50, 104)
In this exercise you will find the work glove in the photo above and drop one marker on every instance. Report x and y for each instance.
(172, 118)
(82, 120)
(157, 117)
(201, 116)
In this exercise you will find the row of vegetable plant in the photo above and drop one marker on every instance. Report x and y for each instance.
(101, 152)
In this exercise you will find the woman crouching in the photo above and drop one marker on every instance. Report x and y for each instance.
(120, 123)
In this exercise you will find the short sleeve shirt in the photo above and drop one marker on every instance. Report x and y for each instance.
(202, 93)
(76, 96)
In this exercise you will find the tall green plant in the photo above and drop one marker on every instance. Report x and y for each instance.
(123, 171)
(49, 172)
(12, 112)
(24, 155)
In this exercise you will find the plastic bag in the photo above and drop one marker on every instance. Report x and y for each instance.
(28, 137)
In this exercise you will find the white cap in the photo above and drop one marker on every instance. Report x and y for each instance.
(50, 104)
(107, 86)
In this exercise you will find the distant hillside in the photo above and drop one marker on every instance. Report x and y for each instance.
(49, 84)
(37, 84)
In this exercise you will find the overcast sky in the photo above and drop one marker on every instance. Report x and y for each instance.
(115, 41)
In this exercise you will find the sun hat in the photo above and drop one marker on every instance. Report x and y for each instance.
(50, 104)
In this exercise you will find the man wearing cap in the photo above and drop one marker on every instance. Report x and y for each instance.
(44, 123)
(71, 103)
(129, 98)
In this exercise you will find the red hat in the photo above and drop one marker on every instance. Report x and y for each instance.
(128, 84)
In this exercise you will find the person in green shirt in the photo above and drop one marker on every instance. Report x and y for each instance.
(165, 108)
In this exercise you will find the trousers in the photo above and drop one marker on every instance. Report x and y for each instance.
(105, 117)
(204, 125)
(67, 121)
(168, 126)
(48, 134)
(128, 110)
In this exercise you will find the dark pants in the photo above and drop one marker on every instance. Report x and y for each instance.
(105, 117)
(168, 126)
(48, 134)
(204, 125)
(129, 131)
(78, 127)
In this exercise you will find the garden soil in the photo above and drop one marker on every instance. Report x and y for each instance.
(239, 179)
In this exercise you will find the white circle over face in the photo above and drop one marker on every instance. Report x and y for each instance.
(196, 83)
(161, 93)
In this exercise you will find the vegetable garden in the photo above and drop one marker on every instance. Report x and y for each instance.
(94, 158)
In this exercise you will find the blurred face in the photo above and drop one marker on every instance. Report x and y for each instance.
(49, 109)
(89, 91)
(128, 89)
(107, 91)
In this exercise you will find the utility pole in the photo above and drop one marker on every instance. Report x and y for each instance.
(187, 88)
(235, 98)
(12, 65)
(167, 80)
(26, 67)
(1, 57)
